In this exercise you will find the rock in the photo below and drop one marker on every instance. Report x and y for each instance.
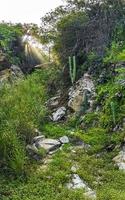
(38, 138)
(48, 144)
(82, 93)
(123, 123)
(33, 152)
(74, 168)
(121, 166)
(64, 140)
(78, 183)
(37, 132)
(32, 148)
(16, 71)
(78, 143)
(90, 194)
(120, 160)
(53, 102)
(59, 114)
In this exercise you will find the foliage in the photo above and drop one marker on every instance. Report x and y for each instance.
(10, 42)
(22, 109)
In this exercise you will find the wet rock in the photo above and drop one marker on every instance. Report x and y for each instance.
(64, 140)
(59, 114)
(82, 93)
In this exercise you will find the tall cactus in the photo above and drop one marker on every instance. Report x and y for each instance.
(72, 68)
(113, 112)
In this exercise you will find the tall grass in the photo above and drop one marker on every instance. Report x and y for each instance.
(21, 110)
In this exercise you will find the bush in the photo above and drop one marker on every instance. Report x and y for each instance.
(22, 109)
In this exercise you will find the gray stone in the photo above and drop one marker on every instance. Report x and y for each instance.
(33, 152)
(31, 149)
(120, 160)
(121, 166)
(48, 144)
(53, 102)
(78, 183)
(64, 140)
(16, 71)
(74, 168)
(77, 93)
(37, 132)
(90, 194)
(59, 114)
(38, 138)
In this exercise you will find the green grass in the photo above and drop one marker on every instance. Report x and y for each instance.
(99, 172)
(21, 111)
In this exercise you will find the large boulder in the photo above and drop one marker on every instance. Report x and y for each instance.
(83, 92)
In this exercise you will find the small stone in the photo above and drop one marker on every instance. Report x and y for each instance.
(78, 183)
(91, 194)
(53, 102)
(38, 138)
(59, 114)
(120, 160)
(121, 166)
(74, 169)
(31, 149)
(64, 140)
(48, 144)
(37, 132)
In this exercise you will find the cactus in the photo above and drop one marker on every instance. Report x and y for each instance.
(113, 112)
(72, 68)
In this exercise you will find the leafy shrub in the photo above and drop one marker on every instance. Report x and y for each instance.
(10, 42)
(21, 110)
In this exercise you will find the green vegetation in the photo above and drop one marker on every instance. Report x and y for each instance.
(10, 44)
(23, 109)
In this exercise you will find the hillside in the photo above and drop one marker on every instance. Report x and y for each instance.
(62, 111)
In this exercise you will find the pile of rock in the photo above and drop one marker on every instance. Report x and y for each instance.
(45, 145)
